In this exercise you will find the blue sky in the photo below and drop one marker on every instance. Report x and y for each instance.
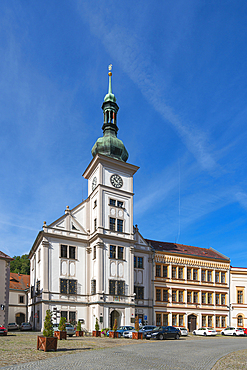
(179, 76)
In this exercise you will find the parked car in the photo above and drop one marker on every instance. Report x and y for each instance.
(70, 330)
(26, 326)
(164, 332)
(13, 326)
(128, 333)
(121, 329)
(3, 330)
(183, 331)
(205, 331)
(230, 330)
(145, 329)
(245, 331)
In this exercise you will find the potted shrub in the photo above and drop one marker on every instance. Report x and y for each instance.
(46, 341)
(114, 333)
(96, 332)
(136, 334)
(79, 332)
(61, 333)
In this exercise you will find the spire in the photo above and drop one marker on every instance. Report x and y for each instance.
(109, 144)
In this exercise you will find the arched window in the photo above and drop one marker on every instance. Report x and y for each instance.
(240, 320)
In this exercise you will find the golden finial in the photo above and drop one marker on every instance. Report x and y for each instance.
(110, 68)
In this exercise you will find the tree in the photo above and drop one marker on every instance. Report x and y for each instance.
(137, 323)
(62, 324)
(97, 325)
(48, 327)
(20, 265)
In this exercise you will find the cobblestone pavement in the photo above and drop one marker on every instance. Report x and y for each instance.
(182, 354)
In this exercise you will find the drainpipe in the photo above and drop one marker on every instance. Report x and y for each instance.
(229, 298)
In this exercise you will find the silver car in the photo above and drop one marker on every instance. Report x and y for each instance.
(183, 331)
(70, 330)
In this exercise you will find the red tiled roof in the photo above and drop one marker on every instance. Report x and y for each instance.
(5, 256)
(19, 281)
(186, 250)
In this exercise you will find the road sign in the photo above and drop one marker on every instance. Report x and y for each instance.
(145, 317)
(36, 316)
(140, 321)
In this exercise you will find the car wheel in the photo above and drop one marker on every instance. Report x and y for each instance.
(160, 337)
(222, 333)
(234, 333)
(177, 336)
(205, 334)
(194, 333)
(70, 335)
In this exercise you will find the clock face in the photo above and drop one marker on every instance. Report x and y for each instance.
(94, 183)
(116, 181)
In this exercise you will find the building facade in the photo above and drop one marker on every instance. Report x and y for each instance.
(4, 287)
(18, 297)
(238, 301)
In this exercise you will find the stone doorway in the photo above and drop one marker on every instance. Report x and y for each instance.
(20, 318)
(191, 322)
(115, 315)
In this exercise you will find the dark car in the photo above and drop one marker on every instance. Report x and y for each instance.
(147, 329)
(164, 332)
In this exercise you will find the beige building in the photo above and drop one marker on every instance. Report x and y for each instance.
(18, 297)
(191, 286)
(238, 289)
(4, 287)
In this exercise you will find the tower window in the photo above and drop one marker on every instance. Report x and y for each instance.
(72, 252)
(93, 286)
(95, 224)
(64, 251)
(120, 204)
(116, 287)
(120, 253)
(112, 202)
(120, 226)
(112, 251)
(94, 252)
(112, 223)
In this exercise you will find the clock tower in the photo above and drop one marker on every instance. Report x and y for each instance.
(110, 265)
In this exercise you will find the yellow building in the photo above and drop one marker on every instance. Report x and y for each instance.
(191, 286)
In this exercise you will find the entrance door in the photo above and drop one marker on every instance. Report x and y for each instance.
(115, 315)
(20, 318)
(191, 323)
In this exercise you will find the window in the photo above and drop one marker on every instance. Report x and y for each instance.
(165, 295)
(240, 320)
(189, 297)
(39, 255)
(37, 287)
(223, 277)
(64, 314)
(174, 319)
(95, 224)
(195, 274)
(180, 296)
(181, 320)
(95, 203)
(139, 291)
(120, 226)
(217, 276)
(94, 252)
(203, 299)
(72, 317)
(174, 272)
(119, 204)
(38, 316)
(93, 286)
(134, 261)
(223, 299)
(223, 321)
(210, 300)
(165, 319)
(209, 276)
(112, 202)
(180, 273)
(174, 296)
(210, 321)
(112, 223)
(204, 320)
(158, 294)
(21, 299)
(195, 297)
(158, 270)
(217, 298)
(188, 274)
(158, 319)
(140, 262)
(116, 287)
(165, 272)
(120, 253)
(240, 296)
(68, 286)
(112, 251)
(217, 321)
(64, 251)
(203, 275)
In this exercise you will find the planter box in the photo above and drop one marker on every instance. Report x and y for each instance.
(96, 333)
(113, 334)
(46, 343)
(137, 335)
(60, 334)
(79, 333)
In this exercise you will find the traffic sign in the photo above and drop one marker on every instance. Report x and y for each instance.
(36, 316)
(145, 317)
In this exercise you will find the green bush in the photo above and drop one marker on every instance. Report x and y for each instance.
(97, 325)
(48, 327)
(78, 327)
(62, 322)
